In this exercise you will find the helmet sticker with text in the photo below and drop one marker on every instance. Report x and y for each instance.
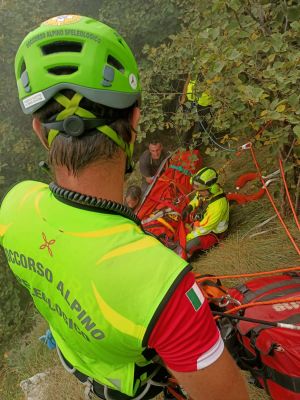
(34, 99)
(62, 20)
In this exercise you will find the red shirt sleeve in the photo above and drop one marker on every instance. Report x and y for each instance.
(186, 336)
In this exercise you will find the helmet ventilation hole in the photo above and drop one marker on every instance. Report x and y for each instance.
(63, 70)
(25, 78)
(115, 63)
(62, 47)
(23, 67)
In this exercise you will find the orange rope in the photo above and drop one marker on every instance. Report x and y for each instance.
(288, 194)
(272, 201)
(200, 279)
(262, 303)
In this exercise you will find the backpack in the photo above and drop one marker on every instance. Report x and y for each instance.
(271, 354)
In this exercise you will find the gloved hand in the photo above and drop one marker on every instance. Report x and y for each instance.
(186, 212)
(48, 339)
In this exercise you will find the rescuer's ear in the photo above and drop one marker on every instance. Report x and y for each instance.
(134, 121)
(37, 127)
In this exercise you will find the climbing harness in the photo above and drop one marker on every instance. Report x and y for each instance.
(104, 392)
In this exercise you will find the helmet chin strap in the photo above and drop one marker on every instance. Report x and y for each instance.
(75, 120)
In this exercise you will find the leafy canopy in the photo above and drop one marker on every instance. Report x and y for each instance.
(248, 53)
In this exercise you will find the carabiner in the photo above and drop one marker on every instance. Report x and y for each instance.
(246, 146)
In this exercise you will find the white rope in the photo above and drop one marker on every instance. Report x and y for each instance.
(259, 226)
(67, 368)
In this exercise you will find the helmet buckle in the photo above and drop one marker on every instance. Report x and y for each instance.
(73, 125)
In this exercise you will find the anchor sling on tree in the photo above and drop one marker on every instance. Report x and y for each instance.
(115, 292)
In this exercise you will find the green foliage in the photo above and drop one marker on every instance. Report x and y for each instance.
(248, 54)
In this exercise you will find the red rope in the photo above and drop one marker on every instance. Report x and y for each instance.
(245, 178)
(272, 201)
(242, 198)
(288, 194)
(260, 131)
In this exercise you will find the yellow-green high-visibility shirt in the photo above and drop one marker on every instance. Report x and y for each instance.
(204, 100)
(216, 216)
(96, 277)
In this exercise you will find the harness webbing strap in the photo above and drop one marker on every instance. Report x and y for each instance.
(153, 383)
(215, 198)
(181, 169)
(203, 207)
(288, 382)
(250, 295)
(278, 295)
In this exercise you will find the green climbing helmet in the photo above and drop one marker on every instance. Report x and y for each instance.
(205, 178)
(78, 53)
(87, 56)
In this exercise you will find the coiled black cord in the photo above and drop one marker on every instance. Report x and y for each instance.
(92, 203)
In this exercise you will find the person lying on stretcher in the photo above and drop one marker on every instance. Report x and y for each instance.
(211, 212)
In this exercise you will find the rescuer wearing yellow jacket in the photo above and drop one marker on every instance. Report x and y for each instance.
(103, 285)
(199, 104)
(188, 93)
(204, 100)
(211, 212)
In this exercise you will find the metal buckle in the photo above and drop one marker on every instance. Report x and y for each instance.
(246, 146)
(226, 300)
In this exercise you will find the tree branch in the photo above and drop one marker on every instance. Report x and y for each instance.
(284, 9)
(290, 150)
(238, 20)
(259, 20)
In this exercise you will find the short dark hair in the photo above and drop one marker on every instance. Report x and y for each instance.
(77, 152)
(154, 142)
(134, 191)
